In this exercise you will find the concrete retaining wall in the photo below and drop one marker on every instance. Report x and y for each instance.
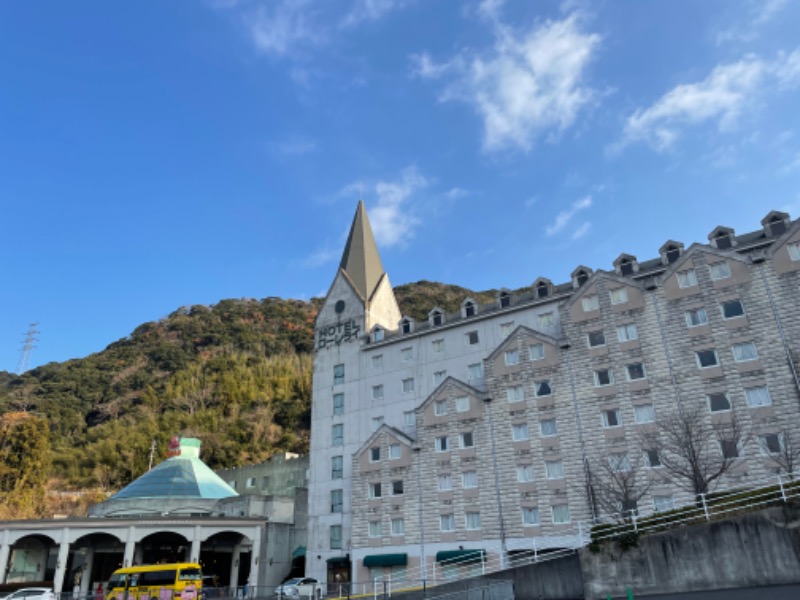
(557, 579)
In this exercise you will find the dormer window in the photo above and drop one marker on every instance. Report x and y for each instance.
(625, 264)
(436, 317)
(377, 334)
(626, 267)
(406, 326)
(580, 276)
(777, 226)
(723, 240)
(775, 223)
(469, 309)
(670, 252)
(505, 299)
(673, 254)
(542, 291)
(583, 277)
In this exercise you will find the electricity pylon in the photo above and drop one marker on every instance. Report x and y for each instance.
(27, 347)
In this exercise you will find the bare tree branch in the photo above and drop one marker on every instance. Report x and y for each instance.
(619, 483)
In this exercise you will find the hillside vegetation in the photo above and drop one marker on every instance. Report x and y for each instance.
(236, 374)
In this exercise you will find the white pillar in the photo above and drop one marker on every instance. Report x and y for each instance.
(237, 550)
(130, 546)
(5, 550)
(86, 575)
(138, 555)
(194, 555)
(254, 558)
(61, 561)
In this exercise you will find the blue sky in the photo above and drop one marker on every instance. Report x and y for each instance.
(161, 154)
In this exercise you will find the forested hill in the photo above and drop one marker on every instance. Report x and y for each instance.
(236, 374)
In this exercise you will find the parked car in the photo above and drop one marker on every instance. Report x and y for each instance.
(299, 587)
(32, 593)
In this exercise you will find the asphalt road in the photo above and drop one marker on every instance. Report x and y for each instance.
(777, 592)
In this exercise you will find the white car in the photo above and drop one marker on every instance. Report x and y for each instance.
(34, 593)
(299, 587)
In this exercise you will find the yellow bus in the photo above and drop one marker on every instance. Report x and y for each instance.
(182, 581)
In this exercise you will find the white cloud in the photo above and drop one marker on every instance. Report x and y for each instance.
(278, 27)
(793, 165)
(720, 99)
(392, 218)
(759, 14)
(582, 230)
(565, 216)
(530, 202)
(526, 86)
(321, 257)
(369, 10)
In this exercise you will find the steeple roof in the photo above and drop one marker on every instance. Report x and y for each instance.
(360, 259)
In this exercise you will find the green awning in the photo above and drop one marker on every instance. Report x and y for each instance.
(386, 560)
(339, 560)
(299, 551)
(460, 556)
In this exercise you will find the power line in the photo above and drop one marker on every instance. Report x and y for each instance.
(27, 346)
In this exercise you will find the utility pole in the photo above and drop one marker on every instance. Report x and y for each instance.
(152, 453)
(27, 346)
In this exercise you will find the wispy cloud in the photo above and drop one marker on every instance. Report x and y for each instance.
(793, 165)
(582, 230)
(321, 257)
(392, 218)
(369, 10)
(760, 13)
(565, 216)
(720, 99)
(529, 84)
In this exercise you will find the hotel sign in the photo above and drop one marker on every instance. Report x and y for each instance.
(335, 335)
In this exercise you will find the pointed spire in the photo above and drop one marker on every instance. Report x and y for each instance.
(360, 259)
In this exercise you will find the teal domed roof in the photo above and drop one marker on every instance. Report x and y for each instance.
(181, 476)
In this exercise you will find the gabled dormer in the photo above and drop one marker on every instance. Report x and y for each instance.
(407, 325)
(775, 223)
(377, 334)
(504, 298)
(670, 252)
(723, 238)
(626, 264)
(387, 446)
(580, 276)
(523, 347)
(436, 317)
(469, 308)
(722, 267)
(542, 288)
(451, 398)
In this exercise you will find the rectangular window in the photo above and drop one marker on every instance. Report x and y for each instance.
(335, 537)
(548, 427)
(718, 402)
(547, 319)
(375, 490)
(596, 338)
(707, 358)
(265, 482)
(519, 432)
(619, 463)
(525, 473)
(603, 377)
(440, 408)
(770, 443)
(444, 482)
(337, 467)
(375, 454)
(337, 434)
(475, 373)
(612, 418)
(465, 440)
(758, 396)
(472, 338)
(635, 371)
(250, 483)
(447, 523)
(406, 354)
(651, 459)
(338, 374)
(732, 309)
(542, 388)
(719, 271)
(409, 419)
(794, 251)
(233, 484)
(590, 303)
(469, 479)
(696, 317)
(687, 278)
(530, 516)
(554, 469)
(394, 451)
(375, 529)
(338, 404)
(515, 393)
(377, 335)
(438, 346)
(336, 501)
(506, 329)
(398, 526)
(619, 296)
(472, 521)
(729, 448)
(408, 385)
(439, 377)
(663, 503)
(377, 361)
(441, 443)
(627, 333)
(644, 413)
(536, 351)
(462, 404)
(377, 392)
(512, 357)
(744, 352)
(397, 487)
(561, 514)
(376, 423)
